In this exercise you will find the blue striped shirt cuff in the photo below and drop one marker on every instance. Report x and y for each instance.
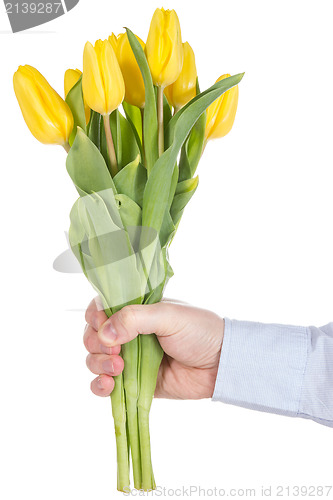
(262, 366)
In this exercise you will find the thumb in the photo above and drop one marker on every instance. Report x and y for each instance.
(130, 321)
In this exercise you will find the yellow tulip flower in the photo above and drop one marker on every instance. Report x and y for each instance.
(164, 48)
(134, 86)
(71, 78)
(183, 89)
(102, 82)
(113, 39)
(47, 115)
(221, 113)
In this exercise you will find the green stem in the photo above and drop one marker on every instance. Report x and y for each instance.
(66, 147)
(151, 357)
(119, 416)
(148, 480)
(143, 136)
(160, 92)
(110, 145)
(131, 355)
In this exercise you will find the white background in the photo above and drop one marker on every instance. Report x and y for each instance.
(255, 243)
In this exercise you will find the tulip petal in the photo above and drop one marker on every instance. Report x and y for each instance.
(183, 89)
(103, 84)
(56, 108)
(71, 78)
(92, 84)
(134, 85)
(113, 81)
(164, 47)
(227, 113)
(221, 113)
(45, 112)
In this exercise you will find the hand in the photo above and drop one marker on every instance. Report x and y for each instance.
(190, 337)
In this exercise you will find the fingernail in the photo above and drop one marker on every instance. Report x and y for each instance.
(100, 383)
(106, 350)
(108, 367)
(109, 333)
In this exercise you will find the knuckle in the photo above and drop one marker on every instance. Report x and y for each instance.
(126, 317)
(90, 344)
(89, 361)
(121, 364)
(93, 388)
(91, 311)
(111, 386)
(118, 364)
(88, 315)
(86, 341)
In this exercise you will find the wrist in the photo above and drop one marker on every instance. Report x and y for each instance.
(215, 368)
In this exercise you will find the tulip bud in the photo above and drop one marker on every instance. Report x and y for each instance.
(221, 113)
(71, 78)
(134, 86)
(47, 115)
(164, 48)
(183, 89)
(102, 81)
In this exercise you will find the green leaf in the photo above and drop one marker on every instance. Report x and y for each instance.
(131, 180)
(156, 293)
(167, 230)
(184, 192)
(201, 101)
(76, 234)
(133, 115)
(111, 264)
(157, 191)
(86, 166)
(193, 147)
(130, 212)
(116, 134)
(94, 132)
(130, 146)
(74, 100)
(173, 187)
(150, 112)
(167, 112)
(124, 139)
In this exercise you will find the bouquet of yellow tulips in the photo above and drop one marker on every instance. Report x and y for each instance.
(134, 172)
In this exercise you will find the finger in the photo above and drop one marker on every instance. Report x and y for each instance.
(102, 385)
(93, 344)
(95, 315)
(133, 320)
(103, 364)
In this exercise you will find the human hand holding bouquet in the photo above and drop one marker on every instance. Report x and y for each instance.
(191, 339)
(134, 172)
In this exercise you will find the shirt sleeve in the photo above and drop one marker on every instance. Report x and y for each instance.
(280, 369)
